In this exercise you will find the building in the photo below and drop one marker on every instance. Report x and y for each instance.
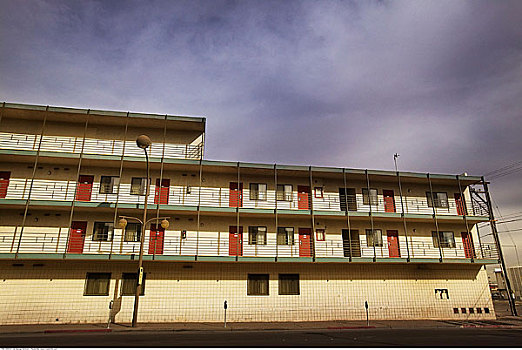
(277, 242)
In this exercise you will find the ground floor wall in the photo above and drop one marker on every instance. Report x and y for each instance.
(53, 292)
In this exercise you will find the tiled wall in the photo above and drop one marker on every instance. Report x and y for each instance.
(195, 292)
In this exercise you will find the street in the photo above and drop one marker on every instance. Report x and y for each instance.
(483, 337)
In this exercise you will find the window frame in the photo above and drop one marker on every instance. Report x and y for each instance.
(252, 288)
(284, 235)
(126, 278)
(256, 193)
(318, 192)
(110, 233)
(137, 234)
(439, 202)
(368, 198)
(320, 234)
(90, 279)
(371, 237)
(290, 290)
(113, 183)
(143, 186)
(284, 193)
(254, 234)
(441, 239)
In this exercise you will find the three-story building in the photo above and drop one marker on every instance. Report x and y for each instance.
(277, 242)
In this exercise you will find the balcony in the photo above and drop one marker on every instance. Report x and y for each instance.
(54, 240)
(216, 197)
(72, 144)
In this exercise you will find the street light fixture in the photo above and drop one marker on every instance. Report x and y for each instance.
(143, 142)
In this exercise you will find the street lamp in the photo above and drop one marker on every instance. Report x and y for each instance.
(143, 142)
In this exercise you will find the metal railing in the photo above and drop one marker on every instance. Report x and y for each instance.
(65, 190)
(63, 240)
(73, 144)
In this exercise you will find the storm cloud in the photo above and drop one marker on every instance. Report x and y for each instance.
(335, 83)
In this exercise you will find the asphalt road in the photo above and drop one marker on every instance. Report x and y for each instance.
(483, 337)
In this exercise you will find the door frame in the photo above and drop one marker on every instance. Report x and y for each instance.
(91, 183)
(238, 237)
(386, 194)
(76, 225)
(397, 252)
(306, 232)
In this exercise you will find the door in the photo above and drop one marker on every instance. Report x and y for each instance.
(303, 197)
(84, 189)
(4, 183)
(157, 237)
(235, 241)
(351, 239)
(235, 197)
(305, 244)
(467, 243)
(389, 201)
(460, 204)
(161, 194)
(347, 197)
(77, 237)
(393, 244)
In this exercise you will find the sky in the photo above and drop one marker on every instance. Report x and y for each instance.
(326, 83)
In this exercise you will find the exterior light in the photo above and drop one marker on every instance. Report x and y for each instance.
(143, 141)
(165, 223)
(122, 223)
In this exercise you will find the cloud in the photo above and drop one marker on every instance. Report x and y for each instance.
(339, 83)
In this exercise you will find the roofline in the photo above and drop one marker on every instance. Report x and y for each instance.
(103, 112)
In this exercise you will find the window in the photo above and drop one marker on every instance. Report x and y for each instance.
(347, 196)
(138, 185)
(284, 193)
(97, 283)
(486, 310)
(108, 184)
(288, 284)
(375, 238)
(370, 198)
(318, 192)
(463, 310)
(479, 310)
(455, 310)
(446, 239)
(256, 235)
(320, 234)
(133, 232)
(103, 231)
(258, 192)
(129, 283)
(257, 284)
(471, 310)
(441, 199)
(285, 236)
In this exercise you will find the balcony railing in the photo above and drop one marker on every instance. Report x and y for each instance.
(220, 197)
(72, 144)
(56, 240)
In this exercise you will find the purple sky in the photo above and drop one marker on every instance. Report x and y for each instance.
(335, 83)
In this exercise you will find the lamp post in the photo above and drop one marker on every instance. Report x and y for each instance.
(143, 142)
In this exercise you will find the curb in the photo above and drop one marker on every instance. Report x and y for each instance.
(106, 330)
(353, 327)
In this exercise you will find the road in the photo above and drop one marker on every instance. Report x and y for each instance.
(483, 337)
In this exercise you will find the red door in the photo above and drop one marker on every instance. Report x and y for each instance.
(235, 241)
(393, 244)
(77, 237)
(460, 204)
(157, 237)
(467, 243)
(305, 246)
(4, 183)
(161, 194)
(303, 197)
(389, 201)
(84, 189)
(235, 197)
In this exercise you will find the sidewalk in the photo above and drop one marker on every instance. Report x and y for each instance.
(250, 326)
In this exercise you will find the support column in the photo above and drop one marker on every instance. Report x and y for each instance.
(371, 214)
(347, 214)
(465, 208)
(311, 202)
(275, 213)
(499, 248)
(35, 165)
(158, 205)
(435, 217)
(118, 188)
(403, 215)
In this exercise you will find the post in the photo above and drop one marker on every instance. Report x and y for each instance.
(367, 319)
(139, 275)
(225, 306)
(395, 156)
(494, 231)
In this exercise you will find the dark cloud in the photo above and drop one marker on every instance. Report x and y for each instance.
(340, 83)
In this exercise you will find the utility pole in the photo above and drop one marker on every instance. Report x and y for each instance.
(500, 255)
